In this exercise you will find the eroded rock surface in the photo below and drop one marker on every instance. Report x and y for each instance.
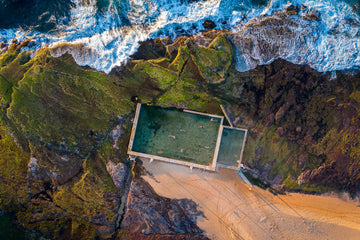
(150, 213)
(266, 38)
(118, 172)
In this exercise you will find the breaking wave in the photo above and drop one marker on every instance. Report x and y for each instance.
(110, 30)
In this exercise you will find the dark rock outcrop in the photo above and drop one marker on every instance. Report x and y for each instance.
(312, 15)
(292, 10)
(149, 213)
(208, 24)
(151, 49)
(307, 124)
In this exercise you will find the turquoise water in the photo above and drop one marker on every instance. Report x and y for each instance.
(175, 134)
(230, 147)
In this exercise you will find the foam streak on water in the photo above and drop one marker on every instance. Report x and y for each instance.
(111, 34)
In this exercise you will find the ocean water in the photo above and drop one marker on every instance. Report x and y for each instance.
(112, 29)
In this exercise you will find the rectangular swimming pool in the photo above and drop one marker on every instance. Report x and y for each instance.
(231, 147)
(176, 134)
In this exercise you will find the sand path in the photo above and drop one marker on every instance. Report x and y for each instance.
(232, 211)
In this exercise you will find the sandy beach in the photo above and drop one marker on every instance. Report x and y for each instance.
(233, 211)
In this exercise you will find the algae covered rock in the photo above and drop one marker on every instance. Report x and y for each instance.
(213, 61)
(51, 129)
(13, 174)
(55, 98)
(64, 142)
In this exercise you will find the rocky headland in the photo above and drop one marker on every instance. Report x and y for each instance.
(64, 129)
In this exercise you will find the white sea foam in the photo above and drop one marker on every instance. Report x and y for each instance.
(112, 34)
(338, 41)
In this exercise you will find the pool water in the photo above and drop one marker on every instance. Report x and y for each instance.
(230, 147)
(176, 134)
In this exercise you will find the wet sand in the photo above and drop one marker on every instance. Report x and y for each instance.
(232, 211)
